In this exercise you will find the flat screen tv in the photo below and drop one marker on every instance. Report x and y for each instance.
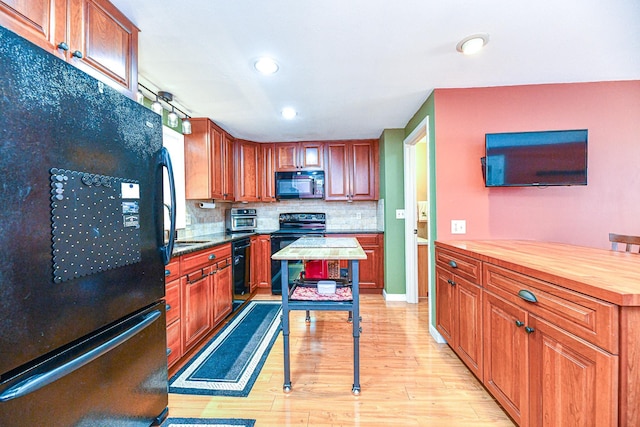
(521, 159)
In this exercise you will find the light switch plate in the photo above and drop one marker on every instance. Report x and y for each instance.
(458, 226)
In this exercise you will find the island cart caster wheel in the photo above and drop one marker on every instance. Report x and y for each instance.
(286, 388)
(355, 391)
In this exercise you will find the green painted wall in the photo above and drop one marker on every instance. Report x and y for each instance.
(391, 190)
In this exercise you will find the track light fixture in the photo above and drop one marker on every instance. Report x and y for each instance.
(166, 97)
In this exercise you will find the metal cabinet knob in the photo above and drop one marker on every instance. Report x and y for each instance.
(77, 54)
(529, 330)
(453, 264)
(212, 257)
(519, 324)
(63, 46)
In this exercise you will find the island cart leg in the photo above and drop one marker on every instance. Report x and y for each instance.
(356, 326)
(285, 324)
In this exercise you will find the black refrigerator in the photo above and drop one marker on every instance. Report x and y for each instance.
(82, 315)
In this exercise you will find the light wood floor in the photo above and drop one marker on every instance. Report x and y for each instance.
(407, 378)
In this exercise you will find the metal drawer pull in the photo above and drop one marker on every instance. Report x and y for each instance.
(529, 330)
(168, 307)
(453, 264)
(212, 257)
(168, 351)
(167, 272)
(519, 324)
(527, 295)
(451, 282)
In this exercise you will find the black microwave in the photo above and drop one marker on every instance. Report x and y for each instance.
(300, 185)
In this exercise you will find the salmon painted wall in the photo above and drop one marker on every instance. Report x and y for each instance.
(581, 215)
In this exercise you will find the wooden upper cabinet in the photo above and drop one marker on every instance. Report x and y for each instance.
(352, 170)
(299, 156)
(107, 41)
(208, 162)
(90, 34)
(267, 173)
(228, 166)
(248, 168)
(42, 22)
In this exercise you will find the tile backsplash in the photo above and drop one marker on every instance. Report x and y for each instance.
(340, 215)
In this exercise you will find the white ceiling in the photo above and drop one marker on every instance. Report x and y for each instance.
(355, 67)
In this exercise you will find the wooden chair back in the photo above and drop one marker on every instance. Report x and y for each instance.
(629, 241)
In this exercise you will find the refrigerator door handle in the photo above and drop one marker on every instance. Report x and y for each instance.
(37, 381)
(164, 160)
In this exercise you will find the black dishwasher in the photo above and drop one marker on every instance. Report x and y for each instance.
(241, 265)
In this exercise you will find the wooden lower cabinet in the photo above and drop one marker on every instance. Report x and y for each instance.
(552, 354)
(196, 307)
(572, 382)
(221, 284)
(372, 268)
(173, 291)
(260, 262)
(459, 317)
(506, 356)
(199, 296)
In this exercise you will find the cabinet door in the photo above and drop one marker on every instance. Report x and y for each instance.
(196, 308)
(363, 175)
(217, 171)
(248, 168)
(103, 42)
(337, 184)
(174, 343)
(228, 165)
(311, 155)
(263, 279)
(42, 22)
(573, 383)
(267, 173)
(468, 332)
(197, 160)
(445, 304)
(286, 157)
(506, 356)
(222, 293)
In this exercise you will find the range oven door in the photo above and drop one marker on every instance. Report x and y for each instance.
(280, 241)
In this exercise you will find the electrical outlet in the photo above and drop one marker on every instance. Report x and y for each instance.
(357, 215)
(399, 213)
(458, 226)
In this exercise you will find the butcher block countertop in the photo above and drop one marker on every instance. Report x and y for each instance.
(322, 248)
(608, 275)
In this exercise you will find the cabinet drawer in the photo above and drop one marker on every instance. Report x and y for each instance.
(174, 347)
(172, 297)
(591, 319)
(172, 270)
(368, 240)
(464, 266)
(204, 258)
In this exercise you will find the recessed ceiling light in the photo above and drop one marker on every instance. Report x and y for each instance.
(266, 65)
(289, 113)
(472, 44)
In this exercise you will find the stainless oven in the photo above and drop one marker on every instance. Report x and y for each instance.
(241, 220)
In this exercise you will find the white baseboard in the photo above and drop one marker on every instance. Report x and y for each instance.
(436, 335)
(394, 297)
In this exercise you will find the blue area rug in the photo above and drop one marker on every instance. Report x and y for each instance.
(230, 363)
(221, 422)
